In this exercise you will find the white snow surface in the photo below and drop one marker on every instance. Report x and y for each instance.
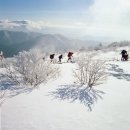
(52, 107)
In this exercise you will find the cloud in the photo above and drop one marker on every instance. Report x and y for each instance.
(69, 28)
(110, 17)
(104, 18)
(21, 25)
(37, 25)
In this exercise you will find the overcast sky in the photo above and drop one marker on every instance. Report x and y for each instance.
(79, 18)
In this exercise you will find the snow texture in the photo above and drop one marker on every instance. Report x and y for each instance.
(62, 105)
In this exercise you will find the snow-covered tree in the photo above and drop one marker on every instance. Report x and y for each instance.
(90, 71)
(29, 68)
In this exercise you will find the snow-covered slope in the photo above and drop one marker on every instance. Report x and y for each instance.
(58, 105)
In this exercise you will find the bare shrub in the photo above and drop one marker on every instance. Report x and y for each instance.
(29, 68)
(90, 71)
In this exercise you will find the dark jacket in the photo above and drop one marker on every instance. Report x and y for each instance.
(70, 54)
(60, 57)
(52, 56)
(124, 52)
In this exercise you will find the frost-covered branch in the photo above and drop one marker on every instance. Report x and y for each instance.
(30, 69)
(90, 71)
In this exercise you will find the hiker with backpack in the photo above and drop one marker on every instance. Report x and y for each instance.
(52, 57)
(124, 55)
(60, 57)
(70, 54)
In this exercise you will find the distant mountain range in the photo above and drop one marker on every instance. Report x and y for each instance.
(12, 42)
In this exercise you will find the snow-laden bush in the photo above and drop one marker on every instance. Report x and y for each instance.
(90, 71)
(29, 68)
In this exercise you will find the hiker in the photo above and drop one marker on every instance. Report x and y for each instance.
(124, 55)
(60, 57)
(70, 56)
(52, 57)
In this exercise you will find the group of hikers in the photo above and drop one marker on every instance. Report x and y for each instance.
(124, 56)
(70, 54)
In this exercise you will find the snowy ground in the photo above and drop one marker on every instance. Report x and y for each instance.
(58, 105)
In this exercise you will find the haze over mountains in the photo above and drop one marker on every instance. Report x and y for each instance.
(12, 42)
